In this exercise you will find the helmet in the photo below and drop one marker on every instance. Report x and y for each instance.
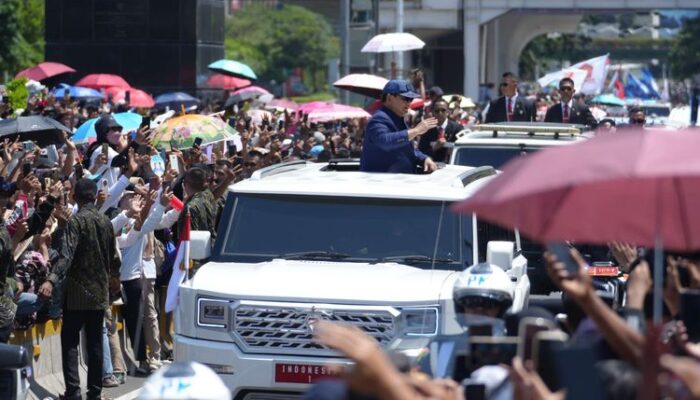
(484, 285)
(187, 380)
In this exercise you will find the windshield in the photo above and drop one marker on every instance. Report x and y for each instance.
(658, 111)
(494, 156)
(343, 229)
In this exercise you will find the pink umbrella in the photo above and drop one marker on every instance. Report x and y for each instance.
(281, 104)
(102, 81)
(44, 70)
(137, 97)
(364, 84)
(320, 111)
(252, 89)
(222, 81)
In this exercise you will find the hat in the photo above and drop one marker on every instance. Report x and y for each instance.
(400, 87)
(436, 90)
(316, 150)
(104, 124)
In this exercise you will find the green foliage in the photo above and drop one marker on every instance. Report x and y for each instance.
(685, 53)
(17, 92)
(21, 34)
(549, 52)
(275, 41)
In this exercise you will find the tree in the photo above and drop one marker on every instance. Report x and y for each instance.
(685, 52)
(21, 34)
(273, 41)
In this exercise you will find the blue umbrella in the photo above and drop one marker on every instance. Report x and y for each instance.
(175, 100)
(233, 68)
(86, 132)
(77, 92)
(609, 99)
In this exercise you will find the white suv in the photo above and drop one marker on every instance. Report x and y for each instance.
(299, 242)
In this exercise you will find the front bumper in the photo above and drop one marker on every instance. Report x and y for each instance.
(251, 372)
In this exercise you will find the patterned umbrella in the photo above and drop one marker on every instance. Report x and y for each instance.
(181, 131)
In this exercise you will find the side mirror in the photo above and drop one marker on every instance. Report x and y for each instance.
(500, 253)
(13, 357)
(200, 245)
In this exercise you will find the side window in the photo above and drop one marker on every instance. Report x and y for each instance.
(487, 232)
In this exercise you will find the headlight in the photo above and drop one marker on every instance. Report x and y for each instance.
(420, 321)
(212, 313)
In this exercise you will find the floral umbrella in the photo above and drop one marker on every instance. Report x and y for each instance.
(180, 132)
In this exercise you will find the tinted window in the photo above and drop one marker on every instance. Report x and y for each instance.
(261, 227)
(493, 156)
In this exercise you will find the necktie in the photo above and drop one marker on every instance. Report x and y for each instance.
(509, 108)
(565, 117)
(441, 133)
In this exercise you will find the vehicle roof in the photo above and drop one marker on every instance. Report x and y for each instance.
(449, 183)
(533, 134)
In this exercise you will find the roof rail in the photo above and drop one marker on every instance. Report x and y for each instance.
(543, 129)
(342, 164)
(475, 174)
(277, 169)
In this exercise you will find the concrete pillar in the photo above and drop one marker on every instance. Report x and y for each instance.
(472, 52)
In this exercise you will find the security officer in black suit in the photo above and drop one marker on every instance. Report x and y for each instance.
(569, 111)
(432, 142)
(510, 106)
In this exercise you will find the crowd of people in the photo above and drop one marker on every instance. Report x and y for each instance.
(89, 227)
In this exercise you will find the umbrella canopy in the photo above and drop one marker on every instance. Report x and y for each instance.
(233, 68)
(184, 129)
(397, 41)
(320, 111)
(239, 97)
(86, 132)
(221, 81)
(627, 187)
(102, 81)
(77, 92)
(44, 70)
(43, 130)
(175, 100)
(609, 99)
(281, 105)
(253, 89)
(364, 84)
(137, 97)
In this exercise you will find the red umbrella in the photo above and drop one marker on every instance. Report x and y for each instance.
(137, 97)
(629, 186)
(221, 81)
(102, 81)
(44, 70)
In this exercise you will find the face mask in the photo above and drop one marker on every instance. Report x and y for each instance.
(114, 137)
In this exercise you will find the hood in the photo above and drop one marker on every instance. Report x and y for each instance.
(323, 281)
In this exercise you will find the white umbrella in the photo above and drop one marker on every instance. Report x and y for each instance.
(397, 41)
(364, 84)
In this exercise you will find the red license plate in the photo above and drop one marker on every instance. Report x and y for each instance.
(301, 373)
(603, 271)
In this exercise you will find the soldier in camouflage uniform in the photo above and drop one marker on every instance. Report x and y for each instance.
(88, 265)
(201, 203)
(7, 306)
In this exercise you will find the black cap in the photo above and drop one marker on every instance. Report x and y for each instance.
(436, 90)
(103, 125)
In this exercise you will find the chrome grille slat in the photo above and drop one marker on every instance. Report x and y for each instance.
(284, 329)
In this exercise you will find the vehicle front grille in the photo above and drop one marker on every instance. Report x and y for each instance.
(286, 328)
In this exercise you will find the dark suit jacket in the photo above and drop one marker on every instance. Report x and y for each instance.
(523, 111)
(440, 155)
(579, 114)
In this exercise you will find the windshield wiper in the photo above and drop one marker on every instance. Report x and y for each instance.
(314, 255)
(413, 259)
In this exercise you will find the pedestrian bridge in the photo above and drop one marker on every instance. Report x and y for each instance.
(496, 31)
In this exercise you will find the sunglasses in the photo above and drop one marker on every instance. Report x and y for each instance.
(504, 84)
(639, 121)
(566, 89)
(405, 99)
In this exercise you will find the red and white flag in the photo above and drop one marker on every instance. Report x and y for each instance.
(553, 78)
(596, 69)
(181, 266)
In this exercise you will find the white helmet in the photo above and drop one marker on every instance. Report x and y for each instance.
(187, 380)
(484, 284)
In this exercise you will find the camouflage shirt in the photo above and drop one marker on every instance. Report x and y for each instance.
(7, 306)
(203, 211)
(87, 258)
